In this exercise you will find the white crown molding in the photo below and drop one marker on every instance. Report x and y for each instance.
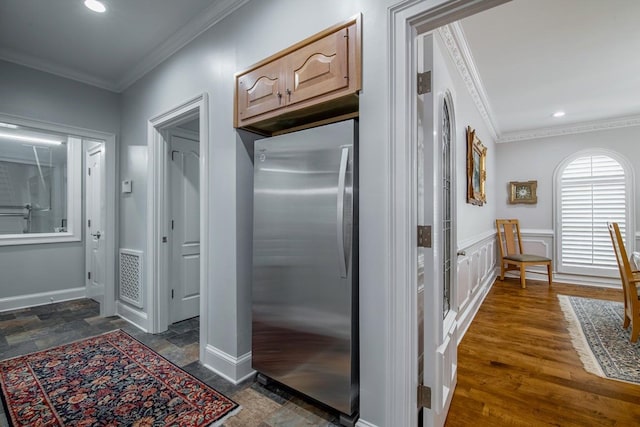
(57, 69)
(589, 126)
(456, 43)
(199, 24)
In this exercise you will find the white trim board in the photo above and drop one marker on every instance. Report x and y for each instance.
(136, 317)
(570, 279)
(41, 298)
(570, 129)
(232, 369)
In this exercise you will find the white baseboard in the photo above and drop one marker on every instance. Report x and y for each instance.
(472, 307)
(232, 369)
(41, 298)
(572, 279)
(132, 315)
(363, 423)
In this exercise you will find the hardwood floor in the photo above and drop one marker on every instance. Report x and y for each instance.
(517, 366)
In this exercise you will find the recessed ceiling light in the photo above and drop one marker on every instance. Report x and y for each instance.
(558, 114)
(30, 139)
(95, 5)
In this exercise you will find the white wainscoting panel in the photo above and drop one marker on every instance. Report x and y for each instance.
(476, 274)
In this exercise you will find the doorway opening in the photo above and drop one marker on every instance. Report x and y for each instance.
(408, 20)
(177, 230)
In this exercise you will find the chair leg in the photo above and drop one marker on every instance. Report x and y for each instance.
(523, 277)
(501, 271)
(635, 331)
(549, 272)
(627, 321)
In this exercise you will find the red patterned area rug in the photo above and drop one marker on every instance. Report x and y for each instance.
(108, 380)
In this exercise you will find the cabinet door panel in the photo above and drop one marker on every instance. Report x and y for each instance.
(318, 68)
(260, 90)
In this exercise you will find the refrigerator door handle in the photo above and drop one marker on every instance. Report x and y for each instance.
(342, 261)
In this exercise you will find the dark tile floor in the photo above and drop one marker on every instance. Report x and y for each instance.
(38, 328)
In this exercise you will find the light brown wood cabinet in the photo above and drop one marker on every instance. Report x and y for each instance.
(311, 81)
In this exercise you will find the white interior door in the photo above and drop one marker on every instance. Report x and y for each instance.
(184, 200)
(95, 212)
(436, 207)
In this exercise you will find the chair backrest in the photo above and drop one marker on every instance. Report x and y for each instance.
(626, 274)
(508, 233)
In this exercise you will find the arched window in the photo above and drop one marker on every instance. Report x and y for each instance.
(592, 188)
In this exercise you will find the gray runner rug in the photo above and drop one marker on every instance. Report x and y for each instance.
(598, 337)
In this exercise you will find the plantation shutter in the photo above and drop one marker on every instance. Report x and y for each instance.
(593, 192)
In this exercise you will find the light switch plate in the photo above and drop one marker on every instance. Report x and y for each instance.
(126, 186)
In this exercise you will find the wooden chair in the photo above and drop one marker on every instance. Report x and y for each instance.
(512, 258)
(630, 281)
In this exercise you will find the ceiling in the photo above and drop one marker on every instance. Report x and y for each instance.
(527, 58)
(110, 50)
(536, 57)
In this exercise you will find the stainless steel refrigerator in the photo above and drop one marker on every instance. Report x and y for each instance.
(305, 263)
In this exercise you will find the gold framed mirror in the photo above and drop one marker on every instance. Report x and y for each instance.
(476, 169)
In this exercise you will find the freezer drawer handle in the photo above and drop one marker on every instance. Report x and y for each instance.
(342, 261)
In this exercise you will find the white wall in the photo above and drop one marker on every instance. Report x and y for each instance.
(538, 159)
(29, 269)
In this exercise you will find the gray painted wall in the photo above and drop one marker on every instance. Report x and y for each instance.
(538, 159)
(32, 94)
(207, 64)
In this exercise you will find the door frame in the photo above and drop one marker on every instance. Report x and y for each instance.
(407, 20)
(157, 283)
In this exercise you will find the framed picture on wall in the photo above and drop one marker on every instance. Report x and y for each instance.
(523, 192)
(476, 169)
